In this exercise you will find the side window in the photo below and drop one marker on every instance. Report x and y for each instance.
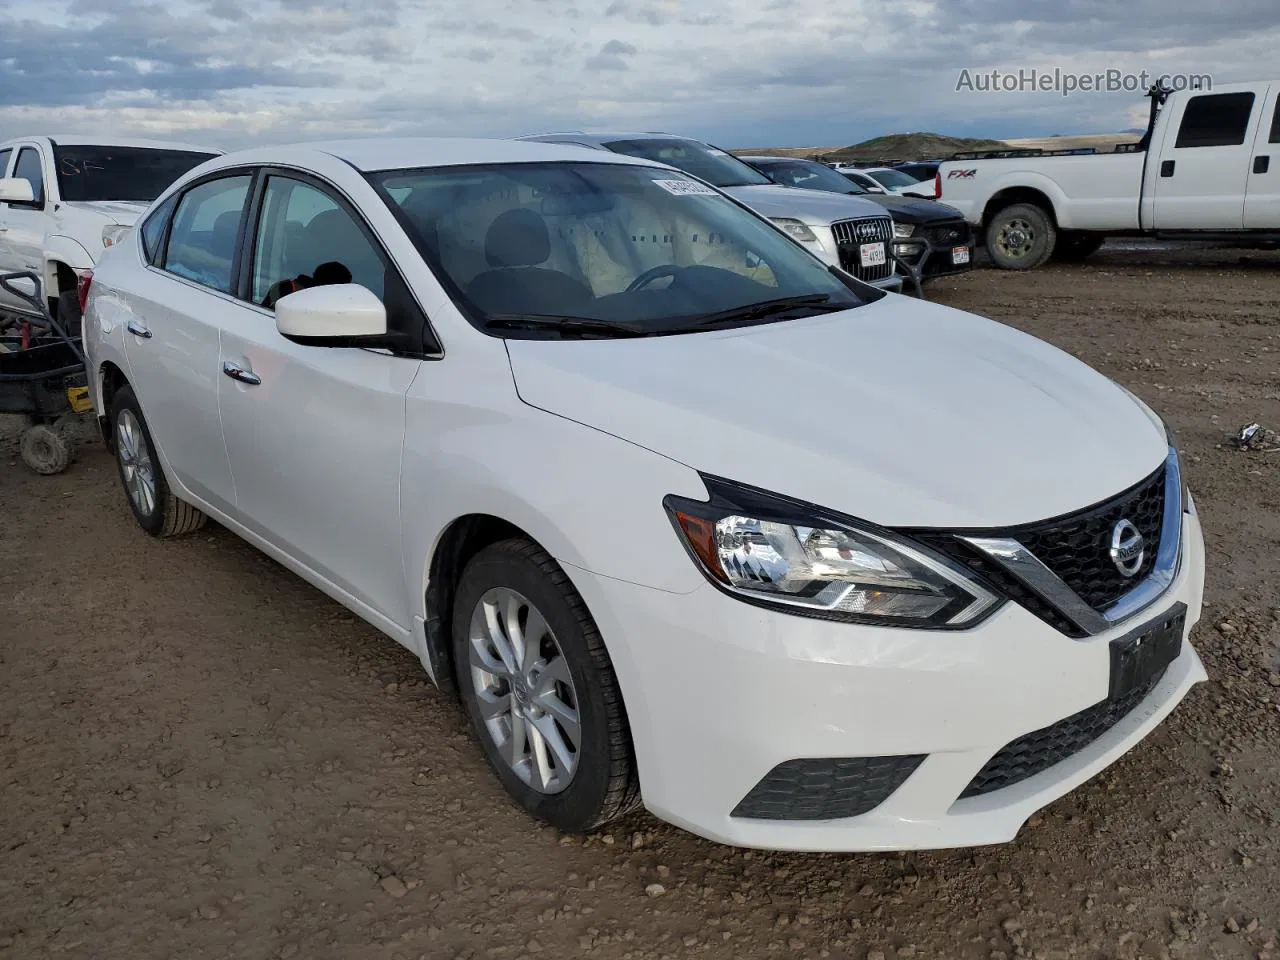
(1275, 125)
(1215, 120)
(4, 160)
(153, 230)
(28, 168)
(206, 223)
(306, 239)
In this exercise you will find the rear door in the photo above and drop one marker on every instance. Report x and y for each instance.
(171, 339)
(1262, 201)
(313, 433)
(1203, 168)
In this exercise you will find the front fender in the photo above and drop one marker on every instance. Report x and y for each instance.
(589, 499)
(60, 249)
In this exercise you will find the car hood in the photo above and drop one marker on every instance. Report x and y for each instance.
(900, 412)
(810, 206)
(914, 209)
(117, 211)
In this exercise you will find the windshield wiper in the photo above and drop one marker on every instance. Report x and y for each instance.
(584, 326)
(769, 308)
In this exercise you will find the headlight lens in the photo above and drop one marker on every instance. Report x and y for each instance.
(113, 233)
(823, 566)
(1188, 506)
(796, 229)
(901, 231)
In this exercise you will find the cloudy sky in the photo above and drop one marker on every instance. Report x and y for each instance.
(739, 72)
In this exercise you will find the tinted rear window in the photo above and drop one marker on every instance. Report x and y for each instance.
(120, 173)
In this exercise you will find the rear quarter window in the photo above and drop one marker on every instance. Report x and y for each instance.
(153, 230)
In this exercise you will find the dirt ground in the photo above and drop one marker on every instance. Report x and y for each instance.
(203, 757)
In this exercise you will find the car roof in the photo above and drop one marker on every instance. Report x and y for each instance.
(766, 157)
(83, 140)
(599, 138)
(401, 153)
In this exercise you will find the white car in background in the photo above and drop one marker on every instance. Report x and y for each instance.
(65, 199)
(888, 180)
(686, 516)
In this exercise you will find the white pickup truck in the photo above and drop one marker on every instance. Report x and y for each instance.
(63, 200)
(1207, 168)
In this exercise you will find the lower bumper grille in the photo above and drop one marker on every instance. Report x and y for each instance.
(826, 789)
(1038, 751)
(850, 235)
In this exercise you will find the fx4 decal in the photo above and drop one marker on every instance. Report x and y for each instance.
(961, 174)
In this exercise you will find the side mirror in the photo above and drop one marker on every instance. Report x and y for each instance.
(335, 315)
(16, 190)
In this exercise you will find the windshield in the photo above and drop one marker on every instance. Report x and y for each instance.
(120, 173)
(603, 249)
(892, 178)
(808, 176)
(702, 160)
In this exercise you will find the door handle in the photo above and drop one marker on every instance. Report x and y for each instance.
(1166, 168)
(1261, 164)
(138, 330)
(237, 372)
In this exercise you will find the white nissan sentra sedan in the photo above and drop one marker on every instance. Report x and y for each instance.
(687, 516)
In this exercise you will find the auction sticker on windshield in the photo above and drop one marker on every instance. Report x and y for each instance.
(871, 254)
(685, 188)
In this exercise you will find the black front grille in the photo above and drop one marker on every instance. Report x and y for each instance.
(826, 789)
(951, 234)
(850, 235)
(1078, 547)
(1038, 751)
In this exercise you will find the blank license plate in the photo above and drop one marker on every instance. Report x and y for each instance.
(871, 254)
(959, 254)
(1139, 656)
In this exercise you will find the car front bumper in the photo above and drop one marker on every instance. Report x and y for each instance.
(720, 692)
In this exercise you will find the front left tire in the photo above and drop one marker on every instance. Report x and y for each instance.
(154, 506)
(540, 690)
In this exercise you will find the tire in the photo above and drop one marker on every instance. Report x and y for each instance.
(1076, 247)
(69, 316)
(1020, 237)
(46, 449)
(517, 575)
(154, 506)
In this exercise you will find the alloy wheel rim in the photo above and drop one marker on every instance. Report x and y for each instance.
(135, 463)
(528, 703)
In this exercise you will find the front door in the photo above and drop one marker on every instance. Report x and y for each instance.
(25, 225)
(1203, 168)
(314, 434)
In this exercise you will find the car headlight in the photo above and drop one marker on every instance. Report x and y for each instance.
(901, 231)
(796, 229)
(113, 233)
(801, 559)
(1188, 505)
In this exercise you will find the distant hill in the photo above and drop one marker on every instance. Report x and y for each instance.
(894, 146)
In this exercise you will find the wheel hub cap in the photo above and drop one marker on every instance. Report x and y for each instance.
(135, 463)
(524, 689)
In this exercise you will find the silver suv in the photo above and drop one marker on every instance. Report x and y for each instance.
(844, 231)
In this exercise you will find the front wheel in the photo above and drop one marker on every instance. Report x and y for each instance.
(540, 690)
(155, 508)
(1020, 237)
